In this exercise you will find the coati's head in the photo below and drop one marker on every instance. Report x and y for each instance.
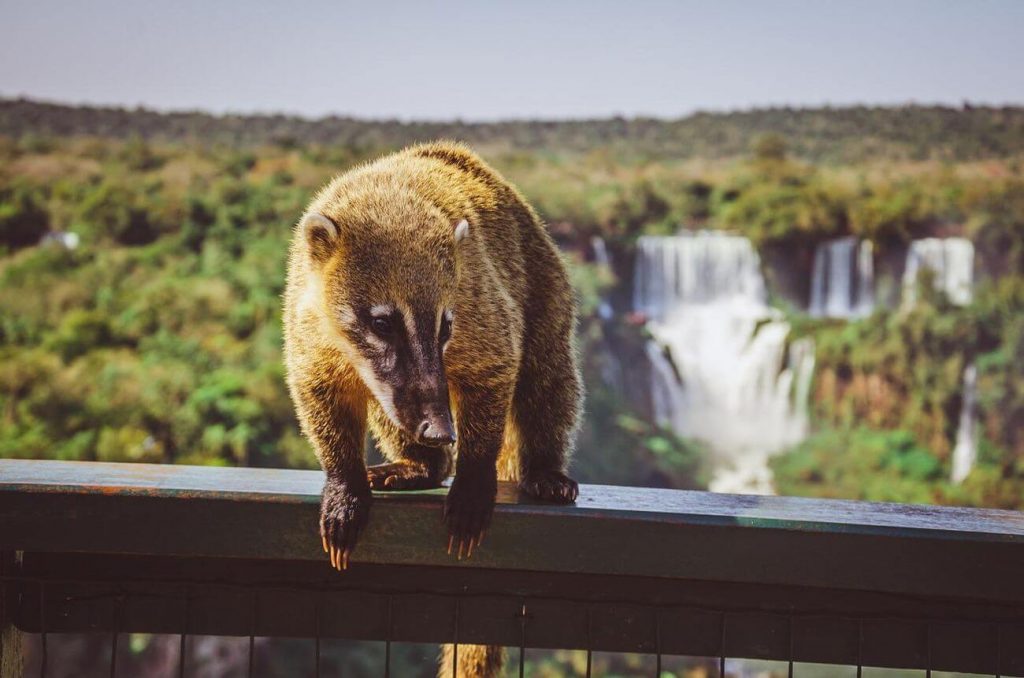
(388, 296)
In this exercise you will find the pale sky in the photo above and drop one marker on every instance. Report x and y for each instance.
(486, 60)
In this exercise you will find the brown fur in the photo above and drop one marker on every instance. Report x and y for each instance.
(510, 367)
(474, 661)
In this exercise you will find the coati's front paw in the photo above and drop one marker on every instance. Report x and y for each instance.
(468, 509)
(344, 510)
(553, 486)
(402, 475)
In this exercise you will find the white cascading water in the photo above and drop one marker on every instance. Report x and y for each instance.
(843, 279)
(611, 365)
(965, 453)
(734, 384)
(602, 258)
(952, 262)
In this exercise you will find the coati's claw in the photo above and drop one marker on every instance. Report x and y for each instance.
(343, 515)
(553, 486)
(401, 475)
(467, 510)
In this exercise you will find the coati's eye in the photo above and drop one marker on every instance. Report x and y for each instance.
(383, 326)
(382, 320)
(446, 328)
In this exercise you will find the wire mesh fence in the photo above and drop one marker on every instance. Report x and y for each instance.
(46, 606)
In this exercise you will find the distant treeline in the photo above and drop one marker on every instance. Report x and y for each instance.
(827, 135)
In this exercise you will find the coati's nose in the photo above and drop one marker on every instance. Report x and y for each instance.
(436, 429)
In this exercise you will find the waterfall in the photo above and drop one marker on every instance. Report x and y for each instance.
(843, 279)
(693, 269)
(952, 262)
(966, 451)
(666, 396)
(602, 258)
(731, 377)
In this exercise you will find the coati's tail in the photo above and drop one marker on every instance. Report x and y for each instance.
(475, 661)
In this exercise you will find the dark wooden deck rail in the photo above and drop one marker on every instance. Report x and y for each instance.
(171, 549)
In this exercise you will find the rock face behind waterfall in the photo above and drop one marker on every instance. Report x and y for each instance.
(723, 370)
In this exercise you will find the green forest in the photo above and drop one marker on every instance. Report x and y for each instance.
(142, 262)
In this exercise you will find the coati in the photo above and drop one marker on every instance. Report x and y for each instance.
(426, 300)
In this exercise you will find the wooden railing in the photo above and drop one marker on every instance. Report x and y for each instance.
(107, 548)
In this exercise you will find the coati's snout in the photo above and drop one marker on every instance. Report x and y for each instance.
(436, 428)
(401, 361)
(405, 348)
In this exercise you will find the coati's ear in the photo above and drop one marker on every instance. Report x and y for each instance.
(321, 235)
(461, 230)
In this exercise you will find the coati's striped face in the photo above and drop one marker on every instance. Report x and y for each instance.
(401, 345)
(391, 303)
